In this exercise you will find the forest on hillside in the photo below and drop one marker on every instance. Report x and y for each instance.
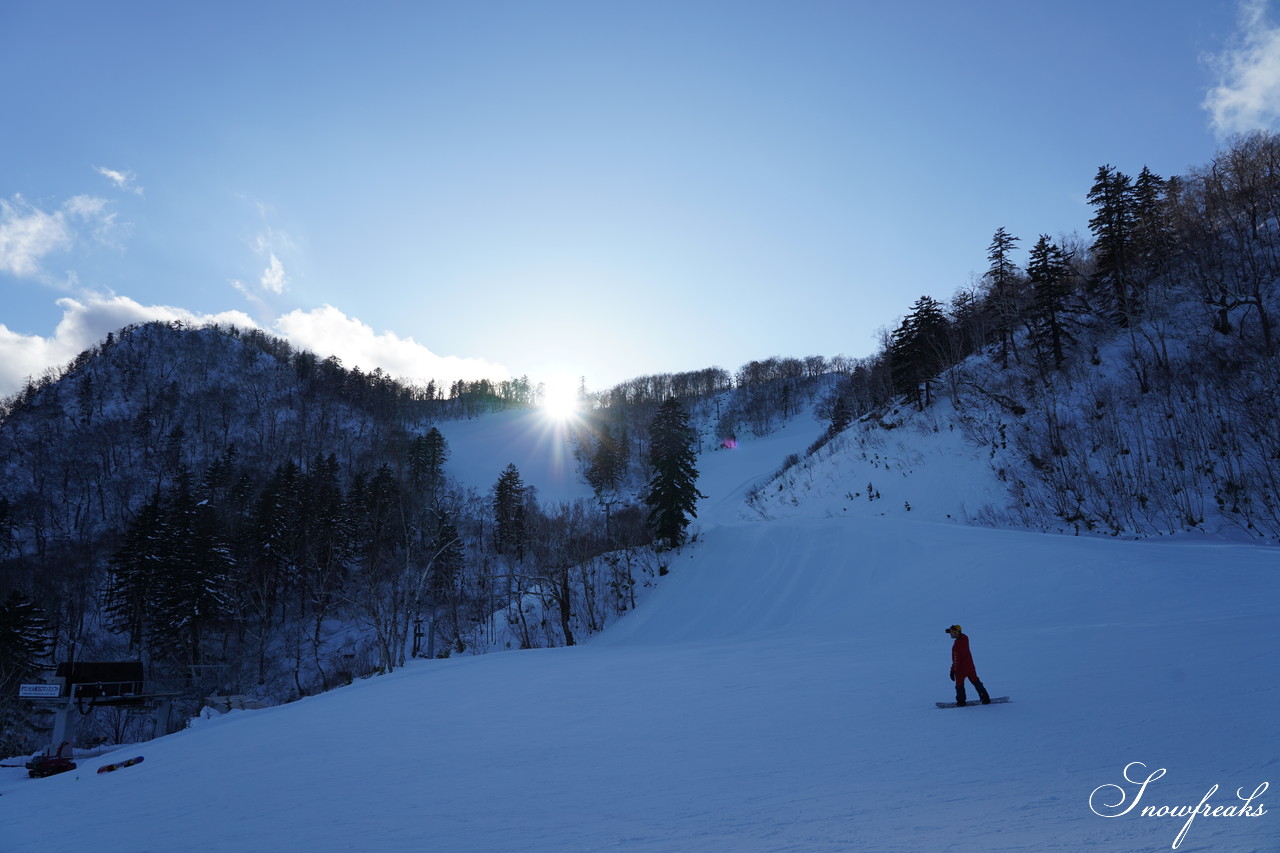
(246, 518)
(1124, 383)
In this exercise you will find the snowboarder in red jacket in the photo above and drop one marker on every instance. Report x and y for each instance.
(962, 666)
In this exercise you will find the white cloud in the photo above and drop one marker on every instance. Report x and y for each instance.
(87, 319)
(28, 234)
(269, 244)
(88, 207)
(125, 180)
(255, 300)
(327, 331)
(93, 212)
(273, 278)
(1247, 96)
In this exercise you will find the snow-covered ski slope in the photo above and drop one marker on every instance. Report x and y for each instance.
(774, 693)
(479, 450)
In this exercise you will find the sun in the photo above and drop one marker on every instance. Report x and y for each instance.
(559, 399)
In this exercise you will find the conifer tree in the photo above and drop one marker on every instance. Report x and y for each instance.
(510, 535)
(969, 322)
(277, 531)
(135, 571)
(607, 464)
(327, 530)
(841, 415)
(24, 639)
(1152, 234)
(673, 491)
(376, 506)
(274, 535)
(1113, 227)
(917, 350)
(606, 469)
(1049, 271)
(448, 562)
(426, 461)
(380, 550)
(1006, 298)
(191, 594)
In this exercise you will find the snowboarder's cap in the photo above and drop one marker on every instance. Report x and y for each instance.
(955, 628)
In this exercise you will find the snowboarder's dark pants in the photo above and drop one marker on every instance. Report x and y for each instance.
(982, 691)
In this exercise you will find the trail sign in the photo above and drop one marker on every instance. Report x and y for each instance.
(39, 691)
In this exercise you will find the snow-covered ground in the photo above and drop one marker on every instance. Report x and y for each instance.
(774, 693)
(923, 469)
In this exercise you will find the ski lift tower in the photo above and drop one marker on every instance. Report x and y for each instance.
(81, 686)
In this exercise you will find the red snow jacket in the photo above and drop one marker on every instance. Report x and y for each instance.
(961, 660)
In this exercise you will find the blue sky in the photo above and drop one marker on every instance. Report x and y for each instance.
(595, 189)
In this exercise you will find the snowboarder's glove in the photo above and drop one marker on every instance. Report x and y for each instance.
(952, 676)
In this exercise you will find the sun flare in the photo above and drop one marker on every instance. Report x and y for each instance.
(559, 399)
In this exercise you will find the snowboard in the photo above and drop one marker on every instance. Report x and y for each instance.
(994, 701)
(107, 768)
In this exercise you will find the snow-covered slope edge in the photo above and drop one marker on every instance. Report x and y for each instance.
(917, 465)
